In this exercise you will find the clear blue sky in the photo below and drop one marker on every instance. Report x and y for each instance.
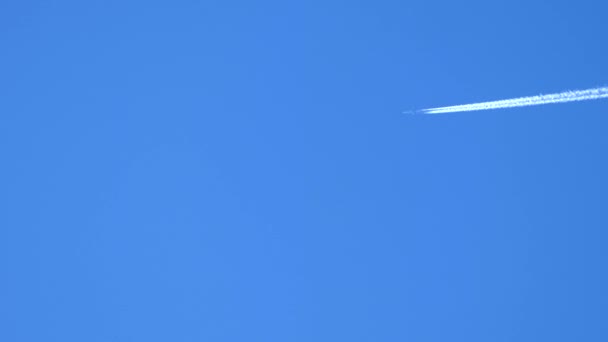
(242, 171)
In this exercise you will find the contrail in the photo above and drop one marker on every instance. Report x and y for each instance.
(567, 96)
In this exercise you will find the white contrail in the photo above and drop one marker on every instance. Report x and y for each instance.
(567, 96)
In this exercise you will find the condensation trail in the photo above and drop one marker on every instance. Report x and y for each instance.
(567, 96)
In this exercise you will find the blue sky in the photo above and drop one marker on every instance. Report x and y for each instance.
(242, 171)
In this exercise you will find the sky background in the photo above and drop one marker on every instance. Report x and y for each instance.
(243, 171)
